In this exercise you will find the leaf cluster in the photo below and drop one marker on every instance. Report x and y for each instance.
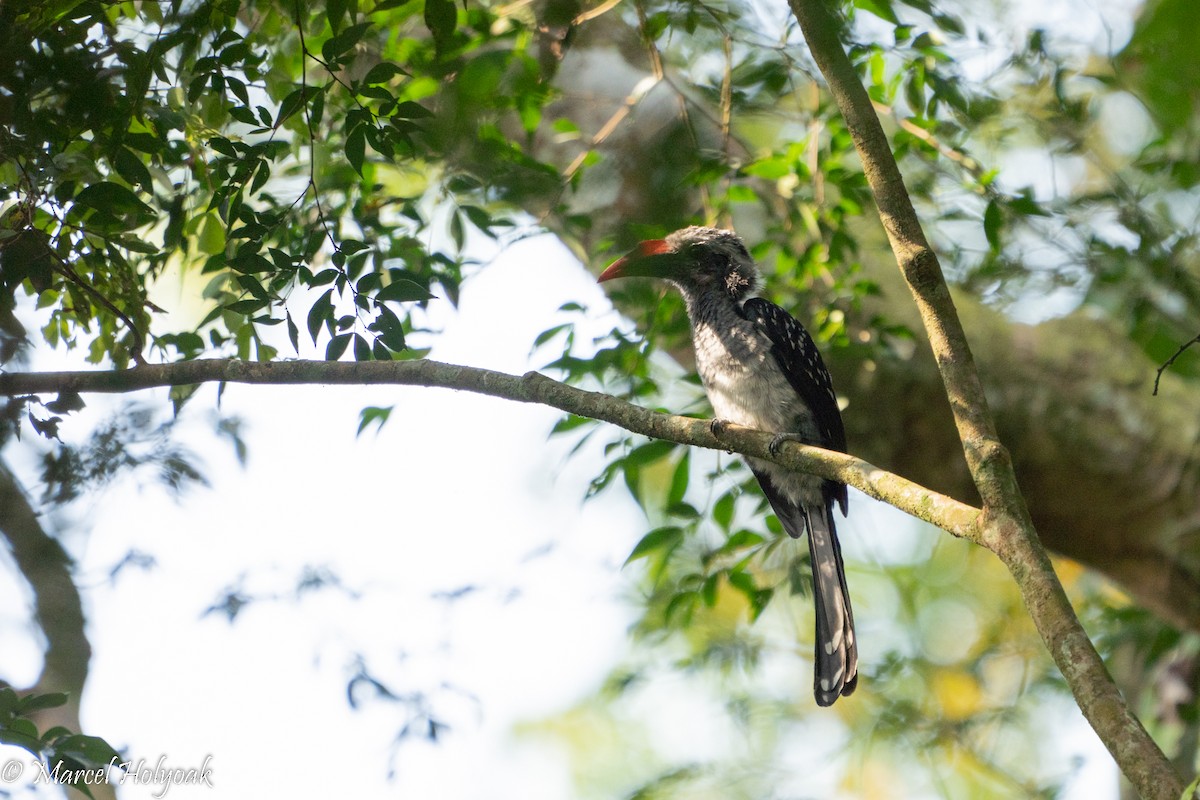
(286, 154)
(58, 747)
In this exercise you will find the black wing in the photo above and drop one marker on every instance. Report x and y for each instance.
(801, 363)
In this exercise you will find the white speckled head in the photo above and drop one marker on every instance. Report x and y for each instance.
(697, 259)
(717, 258)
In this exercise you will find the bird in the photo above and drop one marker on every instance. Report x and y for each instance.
(761, 369)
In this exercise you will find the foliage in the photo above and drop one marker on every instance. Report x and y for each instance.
(64, 752)
(189, 140)
(315, 175)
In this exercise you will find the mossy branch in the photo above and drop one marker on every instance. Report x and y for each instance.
(958, 518)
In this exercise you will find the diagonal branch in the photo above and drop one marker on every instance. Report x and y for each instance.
(947, 513)
(1006, 526)
(57, 606)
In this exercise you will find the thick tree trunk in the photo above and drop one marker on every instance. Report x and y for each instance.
(57, 606)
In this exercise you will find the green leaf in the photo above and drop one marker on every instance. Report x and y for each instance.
(362, 348)
(723, 510)
(356, 148)
(247, 306)
(89, 751)
(660, 539)
(291, 104)
(293, 333)
(10, 734)
(569, 423)
(682, 510)
(344, 41)
(480, 219)
(950, 24)
(648, 453)
(679, 480)
(799, 579)
(549, 334)
(211, 236)
(8, 702)
(223, 146)
(1025, 204)
(245, 115)
(457, 233)
(37, 702)
(181, 394)
(324, 277)
(683, 605)
(740, 540)
(65, 403)
(389, 328)
(1192, 788)
(880, 8)
(993, 220)
(251, 285)
(239, 89)
(771, 168)
(334, 11)
(383, 72)
(743, 582)
(656, 23)
(320, 313)
(373, 415)
(402, 290)
(441, 17)
(1160, 66)
(337, 346)
(759, 601)
(131, 168)
(110, 197)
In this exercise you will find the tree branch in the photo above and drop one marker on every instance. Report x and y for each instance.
(1007, 528)
(947, 513)
(58, 608)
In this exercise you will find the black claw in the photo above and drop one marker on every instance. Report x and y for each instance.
(717, 426)
(778, 439)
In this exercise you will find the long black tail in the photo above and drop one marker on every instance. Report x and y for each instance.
(836, 658)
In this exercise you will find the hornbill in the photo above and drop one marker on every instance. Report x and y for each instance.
(761, 369)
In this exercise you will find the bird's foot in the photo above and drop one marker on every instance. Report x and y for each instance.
(778, 440)
(718, 428)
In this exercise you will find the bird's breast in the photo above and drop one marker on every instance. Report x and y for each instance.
(744, 383)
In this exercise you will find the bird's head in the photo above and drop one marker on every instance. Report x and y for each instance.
(697, 259)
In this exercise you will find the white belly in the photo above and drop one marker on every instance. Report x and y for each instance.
(746, 386)
(744, 383)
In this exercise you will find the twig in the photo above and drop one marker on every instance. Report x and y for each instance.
(64, 268)
(312, 136)
(1170, 361)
